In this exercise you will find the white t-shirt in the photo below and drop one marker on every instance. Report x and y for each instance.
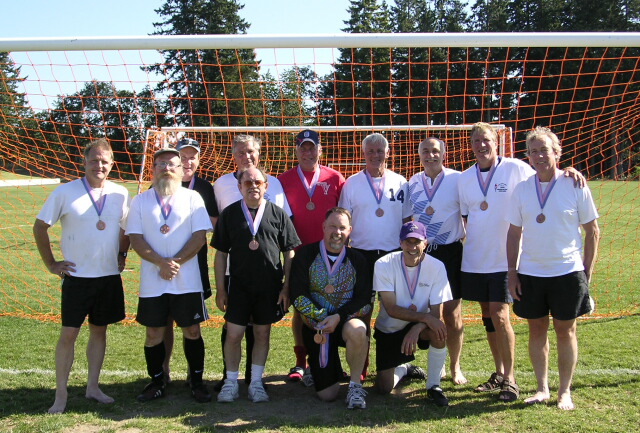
(551, 248)
(371, 232)
(444, 226)
(432, 289)
(227, 192)
(188, 215)
(485, 246)
(94, 252)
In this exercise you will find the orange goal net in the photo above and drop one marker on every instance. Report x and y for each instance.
(142, 93)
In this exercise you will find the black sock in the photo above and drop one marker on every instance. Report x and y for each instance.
(223, 338)
(250, 340)
(154, 356)
(194, 352)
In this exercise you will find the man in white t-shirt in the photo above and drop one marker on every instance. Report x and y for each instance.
(378, 200)
(245, 150)
(412, 287)
(434, 198)
(92, 212)
(546, 214)
(167, 226)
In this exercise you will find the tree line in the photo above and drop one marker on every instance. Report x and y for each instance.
(381, 86)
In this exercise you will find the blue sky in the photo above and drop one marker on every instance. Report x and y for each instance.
(56, 18)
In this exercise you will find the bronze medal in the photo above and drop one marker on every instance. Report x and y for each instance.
(164, 229)
(253, 245)
(319, 338)
(311, 206)
(329, 288)
(430, 211)
(540, 218)
(101, 225)
(412, 307)
(379, 212)
(484, 205)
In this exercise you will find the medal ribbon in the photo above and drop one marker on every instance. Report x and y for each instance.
(310, 188)
(377, 192)
(484, 185)
(544, 195)
(323, 358)
(97, 205)
(192, 182)
(431, 192)
(165, 208)
(331, 270)
(411, 284)
(254, 224)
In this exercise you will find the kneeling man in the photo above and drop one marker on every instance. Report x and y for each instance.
(331, 288)
(412, 288)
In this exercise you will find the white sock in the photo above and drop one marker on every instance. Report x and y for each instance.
(256, 373)
(232, 375)
(399, 372)
(435, 364)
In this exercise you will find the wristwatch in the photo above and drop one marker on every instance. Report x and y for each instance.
(122, 254)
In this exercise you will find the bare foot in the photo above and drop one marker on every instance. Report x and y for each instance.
(565, 402)
(99, 396)
(538, 397)
(457, 377)
(59, 404)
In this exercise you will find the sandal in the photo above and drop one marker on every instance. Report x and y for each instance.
(510, 391)
(494, 383)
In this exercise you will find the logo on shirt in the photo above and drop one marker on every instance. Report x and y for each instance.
(324, 186)
(500, 187)
(421, 284)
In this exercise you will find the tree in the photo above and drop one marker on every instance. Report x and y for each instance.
(208, 87)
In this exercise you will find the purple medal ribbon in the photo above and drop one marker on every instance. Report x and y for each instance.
(484, 185)
(192, 182)
(323, 358)
(544, 195)
(254, 224)
(377, 192)
(331, 270)
(165, 208)
(97, 205)
(431, 192)
(411, 284)
(310, 188)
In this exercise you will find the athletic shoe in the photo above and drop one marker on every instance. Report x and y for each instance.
(355, 397)
(307, 378)
(218, 386)
(436, 395)
(152, 391)
(295, 374)
(415, 372)
(229, 391)
(201, 394)
(257, 394)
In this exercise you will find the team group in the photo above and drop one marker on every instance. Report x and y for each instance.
(501, 232)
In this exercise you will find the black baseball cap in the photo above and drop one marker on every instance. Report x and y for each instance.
(188, 142)
(308, 135)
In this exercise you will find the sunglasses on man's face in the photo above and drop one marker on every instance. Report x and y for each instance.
(250, 183)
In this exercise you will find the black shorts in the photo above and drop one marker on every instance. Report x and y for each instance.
(490, 287)
(101, 298)
(258, 306)
(324, 377)
(565, 297)
(389, 346)
(186, 309)
(451, 256)
(372, 257)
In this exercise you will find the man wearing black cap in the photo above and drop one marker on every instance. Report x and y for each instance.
(412, 287)
(311, 189)
(167, 226)
(190, 158)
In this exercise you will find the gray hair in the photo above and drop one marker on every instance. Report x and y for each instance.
(538, 133)
(374, 138)
(443, 145)
(245, 138)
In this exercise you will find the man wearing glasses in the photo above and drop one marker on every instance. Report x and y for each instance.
(167, 226)
(252, 233)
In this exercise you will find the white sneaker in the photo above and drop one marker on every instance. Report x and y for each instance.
(257, 393)
(307, 378)
(355, 397)
(229, 391)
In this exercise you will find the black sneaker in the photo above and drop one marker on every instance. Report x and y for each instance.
(436, 395)
(151, 392)
(415, 372)
(200, 393)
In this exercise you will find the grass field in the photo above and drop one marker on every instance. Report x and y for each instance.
(605, 386)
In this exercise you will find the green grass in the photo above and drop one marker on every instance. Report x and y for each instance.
(605, 389)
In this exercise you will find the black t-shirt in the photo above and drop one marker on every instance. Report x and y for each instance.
(262, 267)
